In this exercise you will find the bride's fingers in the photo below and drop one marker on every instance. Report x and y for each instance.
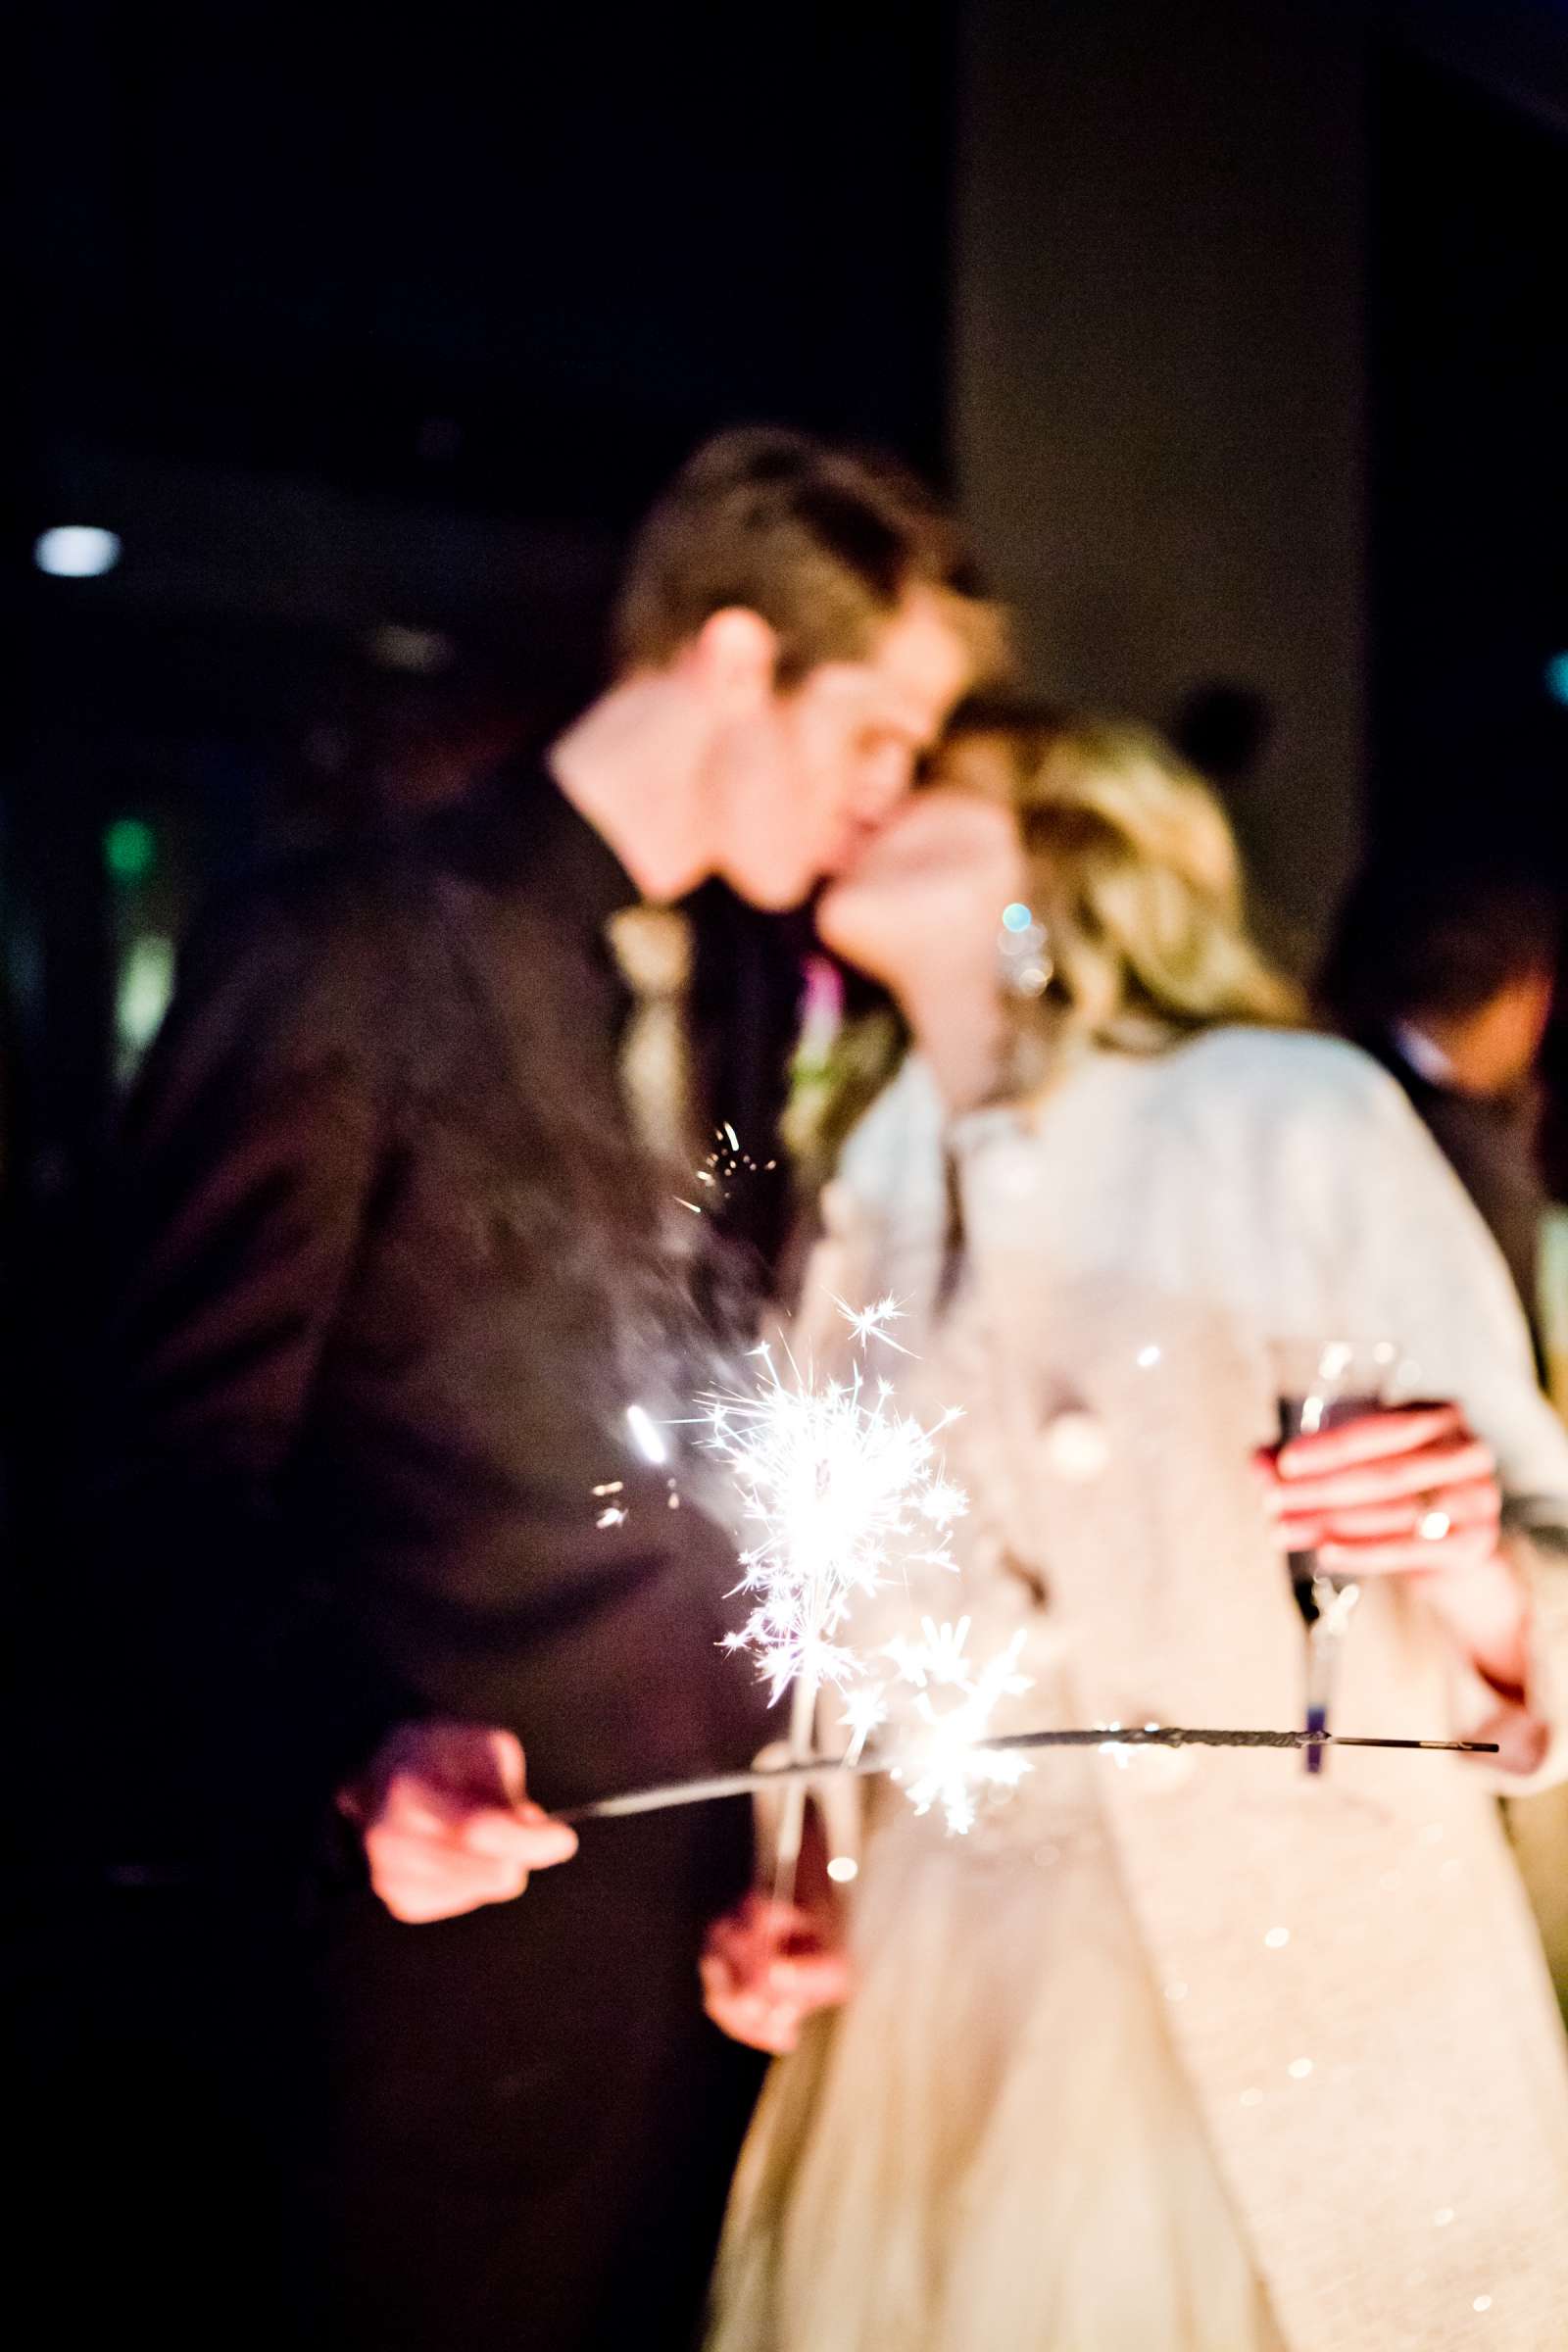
(747, 2015)
(1476, 1503)
(1465, 1548)
(1430, 1471)
(1374, 1436)
(1522, 1739)
(811, 1981)
(1472, 1503)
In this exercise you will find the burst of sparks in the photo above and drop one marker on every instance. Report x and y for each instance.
(646, 1433)
(872, 1322)
(866, 1710)
(725, 1164)
(848, 1493)
(844, 1492)
(955, 1697)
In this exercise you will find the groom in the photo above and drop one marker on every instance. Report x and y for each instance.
(390, 1541)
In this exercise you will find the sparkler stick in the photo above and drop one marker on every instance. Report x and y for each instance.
(792, 1820)
(805, 1769)
(846, 1491)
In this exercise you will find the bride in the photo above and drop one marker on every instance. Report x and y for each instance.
(1175, 2052)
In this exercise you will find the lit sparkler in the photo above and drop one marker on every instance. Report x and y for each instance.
(723, 1166)
(940, 1755)
(847, 1492)
(872, 1322)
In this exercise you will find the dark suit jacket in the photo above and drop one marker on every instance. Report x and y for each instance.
(392, 1274)
(1490, 1141)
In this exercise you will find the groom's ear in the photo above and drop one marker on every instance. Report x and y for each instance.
(732, 662)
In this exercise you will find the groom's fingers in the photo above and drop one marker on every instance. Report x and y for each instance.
(446, 1820)
(426, 1866)
(417, 1885)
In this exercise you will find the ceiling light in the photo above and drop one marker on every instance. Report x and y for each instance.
(76, 551)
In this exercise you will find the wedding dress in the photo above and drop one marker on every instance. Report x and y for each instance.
(1178, 2052)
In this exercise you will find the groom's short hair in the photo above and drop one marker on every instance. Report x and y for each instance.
(823, 542)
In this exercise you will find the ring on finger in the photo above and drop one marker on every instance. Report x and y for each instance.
(1434, 1522)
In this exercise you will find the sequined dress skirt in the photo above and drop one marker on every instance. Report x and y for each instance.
(992, 2148)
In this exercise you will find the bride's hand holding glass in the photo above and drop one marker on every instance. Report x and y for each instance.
(1410, 1490)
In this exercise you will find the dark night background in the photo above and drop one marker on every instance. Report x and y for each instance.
(1239, 331)
(1236, 330)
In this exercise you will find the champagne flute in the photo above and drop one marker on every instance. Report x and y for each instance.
(1321, 1384)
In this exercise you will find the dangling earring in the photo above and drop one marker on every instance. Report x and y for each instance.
(1023, 954)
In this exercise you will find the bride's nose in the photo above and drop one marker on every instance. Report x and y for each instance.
(885, 776)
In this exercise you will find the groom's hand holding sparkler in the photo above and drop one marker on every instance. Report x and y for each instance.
(446, 1824)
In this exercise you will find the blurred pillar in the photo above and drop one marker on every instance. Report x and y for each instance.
(1159, 405)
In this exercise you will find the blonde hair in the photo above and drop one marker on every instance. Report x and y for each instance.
(1136, 879)
(1135, 875)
